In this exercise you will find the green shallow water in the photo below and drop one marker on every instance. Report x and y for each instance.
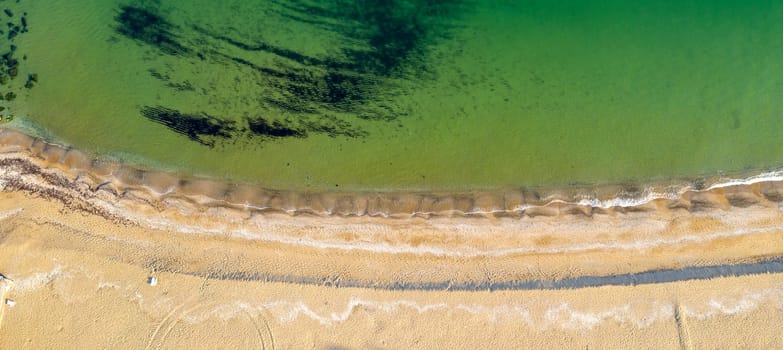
(407, 95)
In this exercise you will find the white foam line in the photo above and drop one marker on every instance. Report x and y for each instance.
(9, 214)
(650, 194)
(618, 202)
(37, 280)
(559, 315)
(772, 176)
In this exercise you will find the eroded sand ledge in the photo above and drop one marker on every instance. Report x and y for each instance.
(80, 237)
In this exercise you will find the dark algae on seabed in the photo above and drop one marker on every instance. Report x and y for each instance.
(297, 93)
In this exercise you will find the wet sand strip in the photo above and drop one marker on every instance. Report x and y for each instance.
(766, 266)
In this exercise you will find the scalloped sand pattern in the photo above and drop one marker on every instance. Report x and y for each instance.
(90, 177)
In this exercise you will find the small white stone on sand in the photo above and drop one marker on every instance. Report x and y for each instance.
(153, 281)
(10, 302)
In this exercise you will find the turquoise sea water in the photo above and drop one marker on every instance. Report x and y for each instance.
(404, 95)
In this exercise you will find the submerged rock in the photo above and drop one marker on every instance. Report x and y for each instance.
(31, 80)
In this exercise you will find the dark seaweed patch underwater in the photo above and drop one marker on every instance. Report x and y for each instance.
(11, 61)
(298, 93)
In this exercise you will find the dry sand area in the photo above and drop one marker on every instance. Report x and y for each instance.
(77, 253)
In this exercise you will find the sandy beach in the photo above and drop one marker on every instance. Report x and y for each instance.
(79, 248)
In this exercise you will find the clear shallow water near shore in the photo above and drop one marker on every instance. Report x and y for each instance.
(421, 95)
